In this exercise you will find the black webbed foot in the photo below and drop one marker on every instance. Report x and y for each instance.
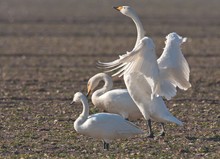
(105, 145)
(150, 135)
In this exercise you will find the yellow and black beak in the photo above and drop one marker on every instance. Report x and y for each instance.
(89, 91)
(118, 8)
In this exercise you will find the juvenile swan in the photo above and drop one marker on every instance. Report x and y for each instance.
(103, 126)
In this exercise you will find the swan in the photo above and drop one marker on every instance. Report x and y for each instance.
(116, 101)
(139, 76)
(103, 126)
(119, 101)
(172, 66)
(147, 78)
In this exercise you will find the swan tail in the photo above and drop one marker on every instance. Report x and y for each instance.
(173, 119)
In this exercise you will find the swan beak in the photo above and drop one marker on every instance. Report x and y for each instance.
(89, 91)
(118, 8)
(72, 102)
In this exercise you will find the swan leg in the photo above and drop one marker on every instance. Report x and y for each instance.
(151, 134)
(162, 133)
(106, 145)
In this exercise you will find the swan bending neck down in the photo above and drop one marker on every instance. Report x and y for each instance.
(116, 101)
(93, 84)
(103, 126)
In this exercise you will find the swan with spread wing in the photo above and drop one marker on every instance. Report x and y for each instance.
(171, 70)
(146, 78)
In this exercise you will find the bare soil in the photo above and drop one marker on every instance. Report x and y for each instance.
(49, 49)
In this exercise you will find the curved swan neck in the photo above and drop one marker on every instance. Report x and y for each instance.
(139, 26)
(85, 112)
(108, 84)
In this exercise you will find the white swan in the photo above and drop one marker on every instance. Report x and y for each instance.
(116, 101)
(119, 101)
(144, 77)
(173, 64)
(173, 67)
(103, 126)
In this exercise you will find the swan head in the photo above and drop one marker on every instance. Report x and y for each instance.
(78, 96)
(96, 79)
(175, 38)
(126, 10)
(94, 82)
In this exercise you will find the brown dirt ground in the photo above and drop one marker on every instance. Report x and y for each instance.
(49, 49)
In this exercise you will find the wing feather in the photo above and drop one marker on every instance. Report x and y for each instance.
(172, 63)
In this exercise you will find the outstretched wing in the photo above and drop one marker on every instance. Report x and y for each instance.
(125, 64)
(173, 65)
(142, 59)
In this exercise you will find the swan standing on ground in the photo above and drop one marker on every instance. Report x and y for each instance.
(142, 74)
(119, 101)
(116, 101)
(103, 126)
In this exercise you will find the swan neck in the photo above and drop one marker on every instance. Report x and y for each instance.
(139, 27)
(108, 84)
(85, 112)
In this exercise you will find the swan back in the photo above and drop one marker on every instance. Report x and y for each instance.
(109, 127)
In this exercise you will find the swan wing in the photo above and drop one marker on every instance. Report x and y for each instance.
(172, 64)
(138, 60)
(142, 59)
(112, 124)
(123, 64)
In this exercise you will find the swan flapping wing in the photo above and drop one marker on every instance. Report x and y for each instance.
(124, 64)
(172, 64)
(142, 59)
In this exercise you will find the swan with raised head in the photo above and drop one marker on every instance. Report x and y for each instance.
(145, 77)
(103, 126)
(171, 70)
(116, 101)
